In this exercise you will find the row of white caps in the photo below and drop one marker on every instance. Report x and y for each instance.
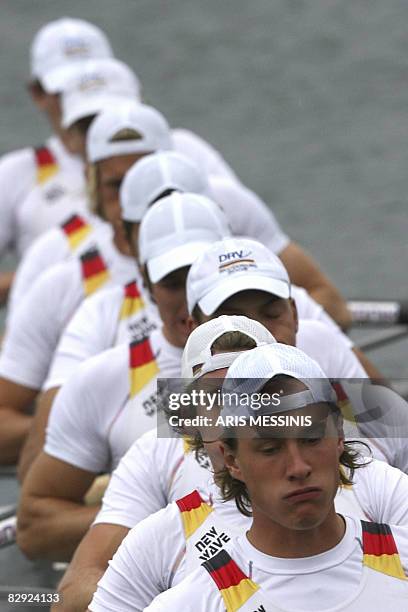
(249, 370)
(60, 46)
(74, 58)
(185, 229)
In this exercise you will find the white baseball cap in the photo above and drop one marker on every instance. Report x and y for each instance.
(198, 349)
(126, 129)
(98, 85)
(232, 265)
(155, 174)
(176, 229)
(254, 368)
(60, 46)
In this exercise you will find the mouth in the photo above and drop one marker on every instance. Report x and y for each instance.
(300, 495)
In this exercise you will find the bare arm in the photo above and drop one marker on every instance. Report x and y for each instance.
(88, 565)
(369, 367)
(305, 272)
(15, 400)
(6, 280)
(36, 436)
(52, 519)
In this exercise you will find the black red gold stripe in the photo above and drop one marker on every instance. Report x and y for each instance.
(235, 587)
(46, 164)
(194, 512)
(75, 229)
(343, 402)
(143, 366)
(94, 271)
(132, 301)
(380, 552)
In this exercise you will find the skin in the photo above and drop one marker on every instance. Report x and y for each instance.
(110, 175)
(48, 104)
(101, 542)
(15, 421)
(170, 296)
(305, 272)
(111, 172)
(278, 315)
(51, 503)
(273, 469)
(53, 491)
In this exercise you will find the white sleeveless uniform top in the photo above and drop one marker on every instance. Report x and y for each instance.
(60, 190)
(383, 582)
(206, 531)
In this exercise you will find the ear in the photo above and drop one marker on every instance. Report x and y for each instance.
(38, 95)
(294, 312)
(231, 462)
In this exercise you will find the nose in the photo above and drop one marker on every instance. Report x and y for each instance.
(297, 465)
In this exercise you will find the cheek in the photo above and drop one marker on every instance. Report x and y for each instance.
(281, 328)
(110, 204)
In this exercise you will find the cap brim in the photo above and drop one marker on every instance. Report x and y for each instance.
(179, 257)
(55, 81)
(85, 108)
(230, 286)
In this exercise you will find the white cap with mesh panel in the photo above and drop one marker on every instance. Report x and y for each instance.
(98, 85)
(233, 265)
(154, 175)
(198, 358)
(176, 229)
(127, 129)
(60, 46)
(254, 368)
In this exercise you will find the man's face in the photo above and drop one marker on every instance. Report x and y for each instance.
(111, 172)
(170, 296)
(278, 315)
(291, 481)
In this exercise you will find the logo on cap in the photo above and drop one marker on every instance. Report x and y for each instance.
(235, 261)
(233, 255)
(126, 134)
(92, 81)
(76, 46)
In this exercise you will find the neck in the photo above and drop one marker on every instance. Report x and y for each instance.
(121, 244)
(63, 136)
(279, 541)
(171, 337)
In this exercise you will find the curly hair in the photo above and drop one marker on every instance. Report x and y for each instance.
(234, 489)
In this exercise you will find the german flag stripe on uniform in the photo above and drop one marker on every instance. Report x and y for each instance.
(132, 301)
(235, 587)
(76, 230)
(380, 552)
(343, 402)
(94, 271)
(46, 164)
(194, 511)
(143, 366)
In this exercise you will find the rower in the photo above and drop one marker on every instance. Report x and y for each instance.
(110, 400)
(116, 139)
(299, 553)
(162, 549)
(54, 168)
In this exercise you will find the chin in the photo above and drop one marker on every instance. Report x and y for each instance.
(309, 518)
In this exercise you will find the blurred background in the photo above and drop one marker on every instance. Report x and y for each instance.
(308, 101)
